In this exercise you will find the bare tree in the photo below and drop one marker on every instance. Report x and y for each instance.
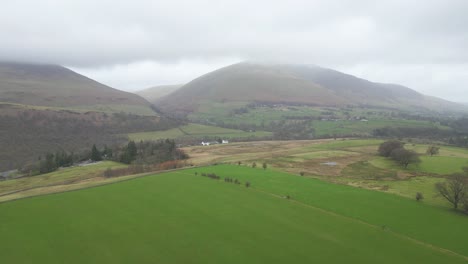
(405, 157)
(454, 190)
(432, 150)
(386, 148)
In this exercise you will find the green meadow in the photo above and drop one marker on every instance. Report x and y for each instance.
(345, 127)
(339, 124)
(435, 165)
(61, 176)
(197, 131)
(399, 214)
(180, 217)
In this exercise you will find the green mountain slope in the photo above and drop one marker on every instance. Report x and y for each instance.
(359, 91)
(247, 82)
(49, 108)
(57, 86)
(295, 84)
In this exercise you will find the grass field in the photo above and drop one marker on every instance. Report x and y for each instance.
(339, 124)
(357, 163)
(442, 165)
(62, 176)
(345, 127)
(197, 131)
(182, 218)
(223, 111)
(347, 144)
(398, 214)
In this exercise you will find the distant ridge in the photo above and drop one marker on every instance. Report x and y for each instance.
(296, 84)
(57, 86)
(154, 93)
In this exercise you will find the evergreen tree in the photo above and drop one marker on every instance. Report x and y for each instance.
(132, 149)
(48, 165)
(130, 153)
(107, 152)
(95, 154)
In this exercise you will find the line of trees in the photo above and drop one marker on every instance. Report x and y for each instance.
(49, 163)
(40, 131)
(143, 168)
(143, 153)
(214, 176)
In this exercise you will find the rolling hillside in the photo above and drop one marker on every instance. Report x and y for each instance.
(57, 86)
(247, 82)
(295, 84)
(49, 108)
(28, 133)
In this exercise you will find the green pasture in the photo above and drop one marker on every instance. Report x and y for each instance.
(223, 113)
(413, 185)
(182, 218)
(441, 165)
(216, 112)
(365, 174)
(156, 135)
(321, 155)
(61, 176)
(399, 214)
(447, 151)
(196, 131)
(345, 144)
(346, 127)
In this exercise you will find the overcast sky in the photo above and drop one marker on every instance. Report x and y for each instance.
(135, 44)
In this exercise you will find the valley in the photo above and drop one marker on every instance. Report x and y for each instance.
(293, 171)
(233, 132)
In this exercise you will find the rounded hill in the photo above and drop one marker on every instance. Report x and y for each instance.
(296, 85)
(57, 86)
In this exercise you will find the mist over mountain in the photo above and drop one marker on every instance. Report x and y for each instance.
(154, 93)
(57, 86)
(296, 84)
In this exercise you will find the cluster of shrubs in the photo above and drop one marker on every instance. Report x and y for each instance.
(231, 180)
(211, 176)
(226, 179)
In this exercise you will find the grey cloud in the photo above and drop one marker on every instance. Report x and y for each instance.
(93, 33)
(98, 36)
